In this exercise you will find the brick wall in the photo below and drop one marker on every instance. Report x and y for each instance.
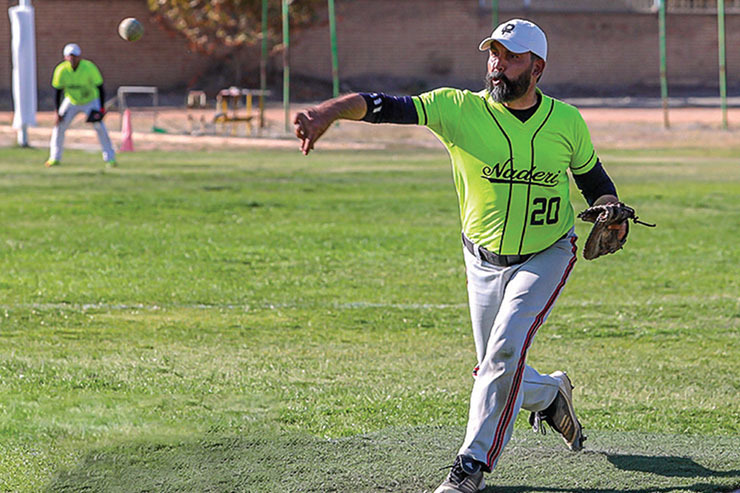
(614, 53)
(5, 56)
(393, 45)
(160, 59)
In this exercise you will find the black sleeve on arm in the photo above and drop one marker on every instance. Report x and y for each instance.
(595, 183)
(58, 98)
(382, 108)
(101, 91)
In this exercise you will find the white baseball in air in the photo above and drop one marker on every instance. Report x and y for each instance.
(130, 29)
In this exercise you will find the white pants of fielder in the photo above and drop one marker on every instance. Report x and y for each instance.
(507, 306)
(69, 111)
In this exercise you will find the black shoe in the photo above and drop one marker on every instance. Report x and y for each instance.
(466, 476)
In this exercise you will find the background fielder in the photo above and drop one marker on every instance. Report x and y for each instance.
(510, 147)
(79, 89)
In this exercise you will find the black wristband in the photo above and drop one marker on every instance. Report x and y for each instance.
(595, 183)
(382, 108)
(58, 99)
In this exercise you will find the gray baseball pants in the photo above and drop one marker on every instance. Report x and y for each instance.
(507, 306)
(69, 110)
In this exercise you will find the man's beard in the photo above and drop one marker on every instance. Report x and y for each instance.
(507, 90)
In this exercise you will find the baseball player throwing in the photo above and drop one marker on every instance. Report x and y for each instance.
(79, 89)
(510, 147)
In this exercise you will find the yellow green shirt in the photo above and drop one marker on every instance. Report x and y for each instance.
(510, 175)
(80, 86)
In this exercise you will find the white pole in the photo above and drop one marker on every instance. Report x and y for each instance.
(23, 47)
(23, 136)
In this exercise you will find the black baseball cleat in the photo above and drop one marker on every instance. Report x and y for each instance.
(560, 415)
(466, 476)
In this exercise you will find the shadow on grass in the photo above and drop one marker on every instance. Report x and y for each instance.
(699, 488)
(666, 466)
(680, 467)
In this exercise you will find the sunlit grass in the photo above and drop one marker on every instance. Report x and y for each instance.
(213, 294)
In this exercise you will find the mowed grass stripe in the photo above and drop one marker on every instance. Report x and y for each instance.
(619, 462)
(305, 302)
(675, 299)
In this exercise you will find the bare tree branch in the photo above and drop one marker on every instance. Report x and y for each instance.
(209, 25)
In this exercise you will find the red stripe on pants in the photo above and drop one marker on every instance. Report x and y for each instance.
(498, 437)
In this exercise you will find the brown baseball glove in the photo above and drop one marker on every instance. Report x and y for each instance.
(606, 234)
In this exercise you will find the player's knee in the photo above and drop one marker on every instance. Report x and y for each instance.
(503, 359)
(504, 353)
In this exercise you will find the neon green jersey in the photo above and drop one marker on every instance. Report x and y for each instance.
(510, 175)
(80, 86)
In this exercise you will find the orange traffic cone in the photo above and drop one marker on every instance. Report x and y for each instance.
(127, 132)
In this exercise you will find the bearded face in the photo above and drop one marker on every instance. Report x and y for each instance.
(507, 90)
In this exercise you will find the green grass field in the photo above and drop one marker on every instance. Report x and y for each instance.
(260, 321)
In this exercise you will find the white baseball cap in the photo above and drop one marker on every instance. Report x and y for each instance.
(72, 49)
(518, 36)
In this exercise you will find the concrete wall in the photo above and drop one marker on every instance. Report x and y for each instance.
(392, 45)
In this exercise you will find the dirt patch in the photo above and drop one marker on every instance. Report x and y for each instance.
(178, 129)
(640, 128)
